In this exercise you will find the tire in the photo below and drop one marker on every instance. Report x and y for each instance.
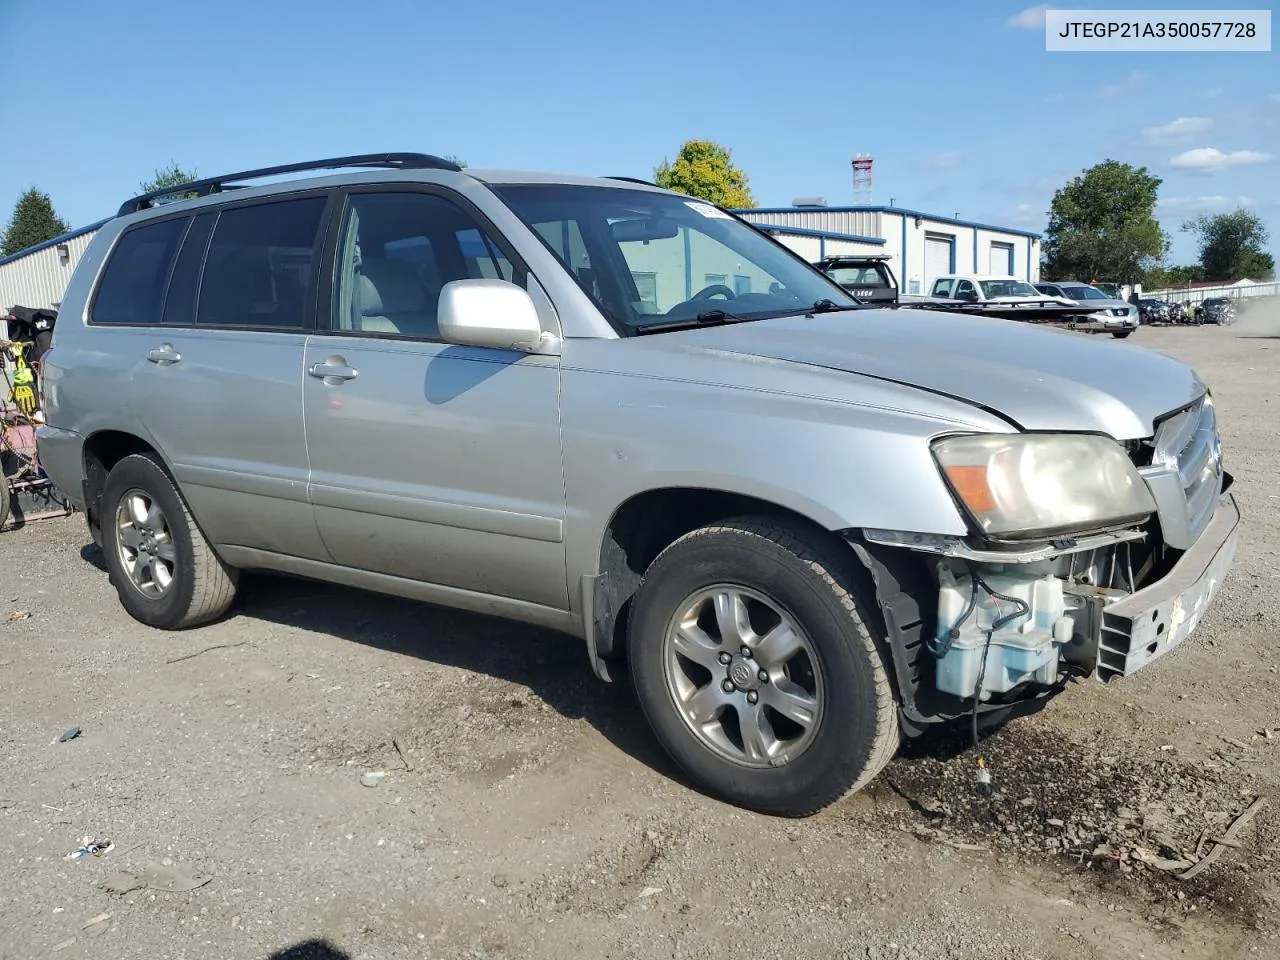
(1120, 334)
(5, 495)
(199, 586)
(807, 578)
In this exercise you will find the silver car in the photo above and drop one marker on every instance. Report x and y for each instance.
(1105, 314)
(804, 529)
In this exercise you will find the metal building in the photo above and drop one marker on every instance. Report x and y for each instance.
(921, 246)
(37, 276)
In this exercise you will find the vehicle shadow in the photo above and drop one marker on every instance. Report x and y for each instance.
(310, 950)
(552, 666)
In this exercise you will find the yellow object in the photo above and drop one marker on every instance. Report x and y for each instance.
(22, 395)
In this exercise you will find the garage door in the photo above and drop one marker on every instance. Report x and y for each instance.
(1001, 259)
(937, 257)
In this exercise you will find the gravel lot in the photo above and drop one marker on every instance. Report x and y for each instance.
(526, 812)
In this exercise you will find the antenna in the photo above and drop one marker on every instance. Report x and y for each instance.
(862, 178)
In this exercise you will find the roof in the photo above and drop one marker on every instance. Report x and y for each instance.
(35, 248)
(901, 211)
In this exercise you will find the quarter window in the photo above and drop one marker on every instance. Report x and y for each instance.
(258, 268)
(942, 288)
(133, 284)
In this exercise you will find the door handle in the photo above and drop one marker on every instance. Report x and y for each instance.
(164, 354)
(333, 371)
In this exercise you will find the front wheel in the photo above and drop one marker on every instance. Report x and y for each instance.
(1120, 334)
(755, 666)
(165, 572)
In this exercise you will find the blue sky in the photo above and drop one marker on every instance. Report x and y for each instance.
(960, 104)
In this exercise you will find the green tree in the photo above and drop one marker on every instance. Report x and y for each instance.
(166, 177)
(1232, 246)
(33, 222)
(1159, 278)
(1102, 226)
(705, 170)
(453, 158)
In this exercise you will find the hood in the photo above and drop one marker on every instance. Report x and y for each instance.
(1040, 378)
(1042, 299)
(1098, 306)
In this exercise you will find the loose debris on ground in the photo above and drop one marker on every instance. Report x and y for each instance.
(1155, 817)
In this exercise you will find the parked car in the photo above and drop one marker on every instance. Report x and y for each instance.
(1220, 310)
(808, 528)
(1151, 310)
(1105, 314)
(867, 277)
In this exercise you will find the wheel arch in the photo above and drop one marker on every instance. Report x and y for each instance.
(646, 523)
(101, 451)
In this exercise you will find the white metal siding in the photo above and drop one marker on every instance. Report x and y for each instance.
(861, 223)
(39, 279)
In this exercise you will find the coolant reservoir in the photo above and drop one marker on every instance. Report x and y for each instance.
(1025, 649)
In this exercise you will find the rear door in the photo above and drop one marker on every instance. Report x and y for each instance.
(430, 462)
(218, 383)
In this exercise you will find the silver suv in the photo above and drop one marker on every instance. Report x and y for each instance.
(806, 528)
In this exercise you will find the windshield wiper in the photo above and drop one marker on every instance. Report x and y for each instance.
(707, 318)
(830, 306)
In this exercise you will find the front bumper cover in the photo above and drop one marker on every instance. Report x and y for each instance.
(1149, 623)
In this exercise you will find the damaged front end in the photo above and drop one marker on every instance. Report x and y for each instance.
(996, 621)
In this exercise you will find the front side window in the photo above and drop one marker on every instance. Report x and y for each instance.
(133, 284)
(991, 289)
(966, 291)
(397, 251)
(696, 259)
(258, 267)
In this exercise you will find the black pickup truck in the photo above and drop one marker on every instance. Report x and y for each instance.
(865, 276)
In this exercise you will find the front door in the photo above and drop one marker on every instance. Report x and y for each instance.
(432, 462)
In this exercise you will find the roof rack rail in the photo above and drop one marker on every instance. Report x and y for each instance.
(647, 183)
(209, 185)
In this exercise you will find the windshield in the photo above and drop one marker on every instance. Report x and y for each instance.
(1082, 292)
(1007, 288)
(646, 257)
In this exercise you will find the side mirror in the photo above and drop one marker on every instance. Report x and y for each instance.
(491, 313)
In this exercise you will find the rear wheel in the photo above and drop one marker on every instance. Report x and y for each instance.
(756, 668)
(164, 570)
(1120, 334)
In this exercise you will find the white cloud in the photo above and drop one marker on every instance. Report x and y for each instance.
(1025, 215)
(943, 161)
(1179, 129)
(1190, 206)
(1031, 18)
(1129, 84)
(1211, 158)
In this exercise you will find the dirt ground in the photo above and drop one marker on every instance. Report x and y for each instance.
(525, 810)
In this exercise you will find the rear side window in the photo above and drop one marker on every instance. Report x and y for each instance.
(132, 287)
(258, 268)
(180, 302)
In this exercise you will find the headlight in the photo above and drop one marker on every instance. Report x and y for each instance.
(1025, 486)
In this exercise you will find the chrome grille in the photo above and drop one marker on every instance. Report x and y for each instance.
(1186, 472)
